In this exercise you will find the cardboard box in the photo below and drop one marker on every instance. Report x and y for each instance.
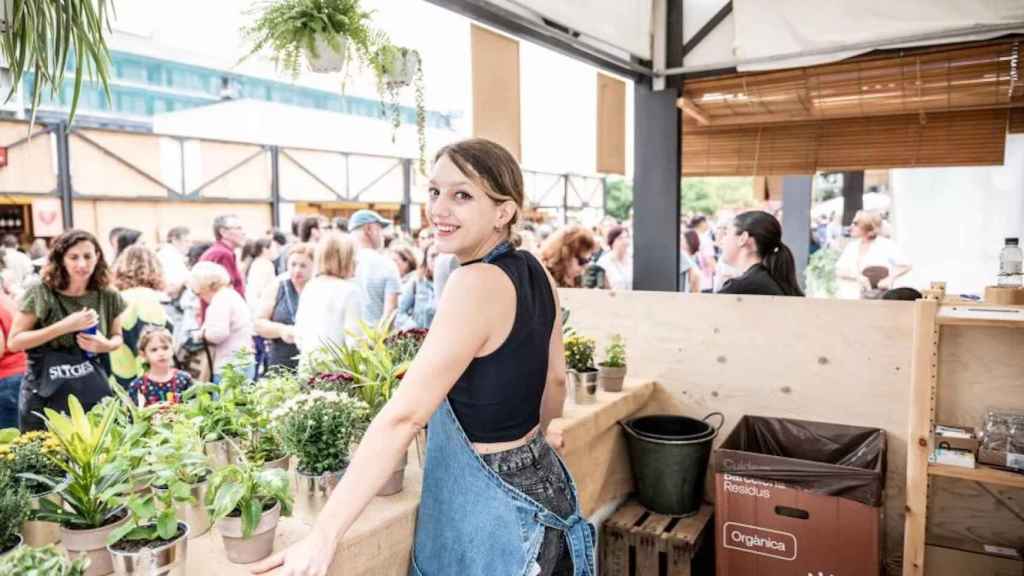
(955, 442)
(768, 529)
(947, 558)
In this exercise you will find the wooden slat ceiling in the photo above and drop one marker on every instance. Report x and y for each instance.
(930, 107)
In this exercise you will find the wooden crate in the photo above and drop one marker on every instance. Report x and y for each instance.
(638, 542)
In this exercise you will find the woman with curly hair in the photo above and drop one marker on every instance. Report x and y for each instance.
(68, 323)
(138, 275)
(566, 253)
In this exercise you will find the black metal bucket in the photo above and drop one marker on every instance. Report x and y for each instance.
(669, 455)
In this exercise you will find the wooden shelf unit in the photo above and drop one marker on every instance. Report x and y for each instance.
(929, 317)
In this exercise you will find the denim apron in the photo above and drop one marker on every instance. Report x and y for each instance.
(471, 522)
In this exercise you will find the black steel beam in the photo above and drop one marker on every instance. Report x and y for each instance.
(853, 195)
(275, 187)
(64, 174)
(555, 38)
(707, 28)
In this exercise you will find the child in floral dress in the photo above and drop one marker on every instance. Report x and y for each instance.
(162, 382)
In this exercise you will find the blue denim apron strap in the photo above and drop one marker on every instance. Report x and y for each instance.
(471, 522)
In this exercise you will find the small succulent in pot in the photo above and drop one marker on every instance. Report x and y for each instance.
(45, 561)
(612, 371)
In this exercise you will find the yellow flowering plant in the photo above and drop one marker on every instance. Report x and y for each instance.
(37, 453)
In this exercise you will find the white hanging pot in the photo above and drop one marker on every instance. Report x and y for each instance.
(327, 59)
(402, 68)
(6, 12)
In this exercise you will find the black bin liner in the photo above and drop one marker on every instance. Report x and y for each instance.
(832, 459)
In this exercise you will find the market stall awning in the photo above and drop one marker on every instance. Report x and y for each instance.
(925, 107)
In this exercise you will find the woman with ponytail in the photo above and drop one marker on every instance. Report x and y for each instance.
(753, 244)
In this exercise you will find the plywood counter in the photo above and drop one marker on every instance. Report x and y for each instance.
(380, 543)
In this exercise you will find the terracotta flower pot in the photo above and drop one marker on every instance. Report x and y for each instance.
(4, 553)
(312, 492)
(610, 378)
(195, 513)
(583, 386)
(220, 453)
(93, 542)
(38, 533)
(258, 545)
(165, 560)
(281, 463)
(395, 483)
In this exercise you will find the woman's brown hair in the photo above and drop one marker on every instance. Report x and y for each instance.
(489, 166)
(56, 276)
(561, 248)
(138, 266)
(869, 222)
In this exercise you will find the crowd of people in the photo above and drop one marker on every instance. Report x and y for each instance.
(184, 302)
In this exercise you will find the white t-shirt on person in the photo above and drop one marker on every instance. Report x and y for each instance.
(882, 252)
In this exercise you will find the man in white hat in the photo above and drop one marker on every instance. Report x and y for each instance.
(375, 272)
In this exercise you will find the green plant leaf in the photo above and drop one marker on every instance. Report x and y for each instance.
(120, 533)
(251, 512)
(167, 524)
(227, 499)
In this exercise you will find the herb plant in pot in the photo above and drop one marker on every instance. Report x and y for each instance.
(178, 469)
(97, 481)
(153, 540)
(35, 453)
(612, 372)
(317, 428)
(581, 374)
(246, 503)
(45, 561)
(14, 509)
(323, 33)
(214, 410)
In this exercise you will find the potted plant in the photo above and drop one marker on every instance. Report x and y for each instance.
(322, 32)
(34, 453)
(213, 408)
(177, 468)
(153, 540)
(581, 374)
(246, 503)
(405, 344)
(612, 371)
(38, 36)
(45, 561)
(317, 428)
(97, 481)
(395, 68)
(14, 509)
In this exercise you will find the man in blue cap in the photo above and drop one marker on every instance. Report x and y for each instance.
(375, 272)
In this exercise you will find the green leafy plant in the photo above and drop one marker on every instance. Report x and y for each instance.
(97, 478)
(245, 490)
(41, 34)
(45, 561)
(216, 409)
(32, 453)
(14, 509)
(318, 427)
(292, 28)
(579, 353)
(388, 63)
(615, 353)
(821, 273)
(404, 345)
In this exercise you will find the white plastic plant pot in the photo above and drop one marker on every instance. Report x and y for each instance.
(327, 59)
(402, 68)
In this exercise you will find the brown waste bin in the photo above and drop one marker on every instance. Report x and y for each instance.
(795, 497)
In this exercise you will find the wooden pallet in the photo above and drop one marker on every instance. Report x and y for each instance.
(636, 541)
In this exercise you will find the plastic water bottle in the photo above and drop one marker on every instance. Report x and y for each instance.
(1011, 262)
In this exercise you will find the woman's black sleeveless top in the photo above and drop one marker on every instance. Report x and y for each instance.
(498, 397)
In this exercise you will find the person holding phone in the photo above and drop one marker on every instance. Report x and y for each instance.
(68, 324)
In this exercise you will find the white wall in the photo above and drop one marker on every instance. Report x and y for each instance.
(951, 222)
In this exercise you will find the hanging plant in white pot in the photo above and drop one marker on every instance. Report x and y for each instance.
(396, 68)
(321, 33)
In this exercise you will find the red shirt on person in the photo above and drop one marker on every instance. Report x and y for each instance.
(221, 253)
(11, 363)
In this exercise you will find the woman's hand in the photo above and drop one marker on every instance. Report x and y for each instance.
(288, 334)
(82, 320)
(95, 343)
(311, 556)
